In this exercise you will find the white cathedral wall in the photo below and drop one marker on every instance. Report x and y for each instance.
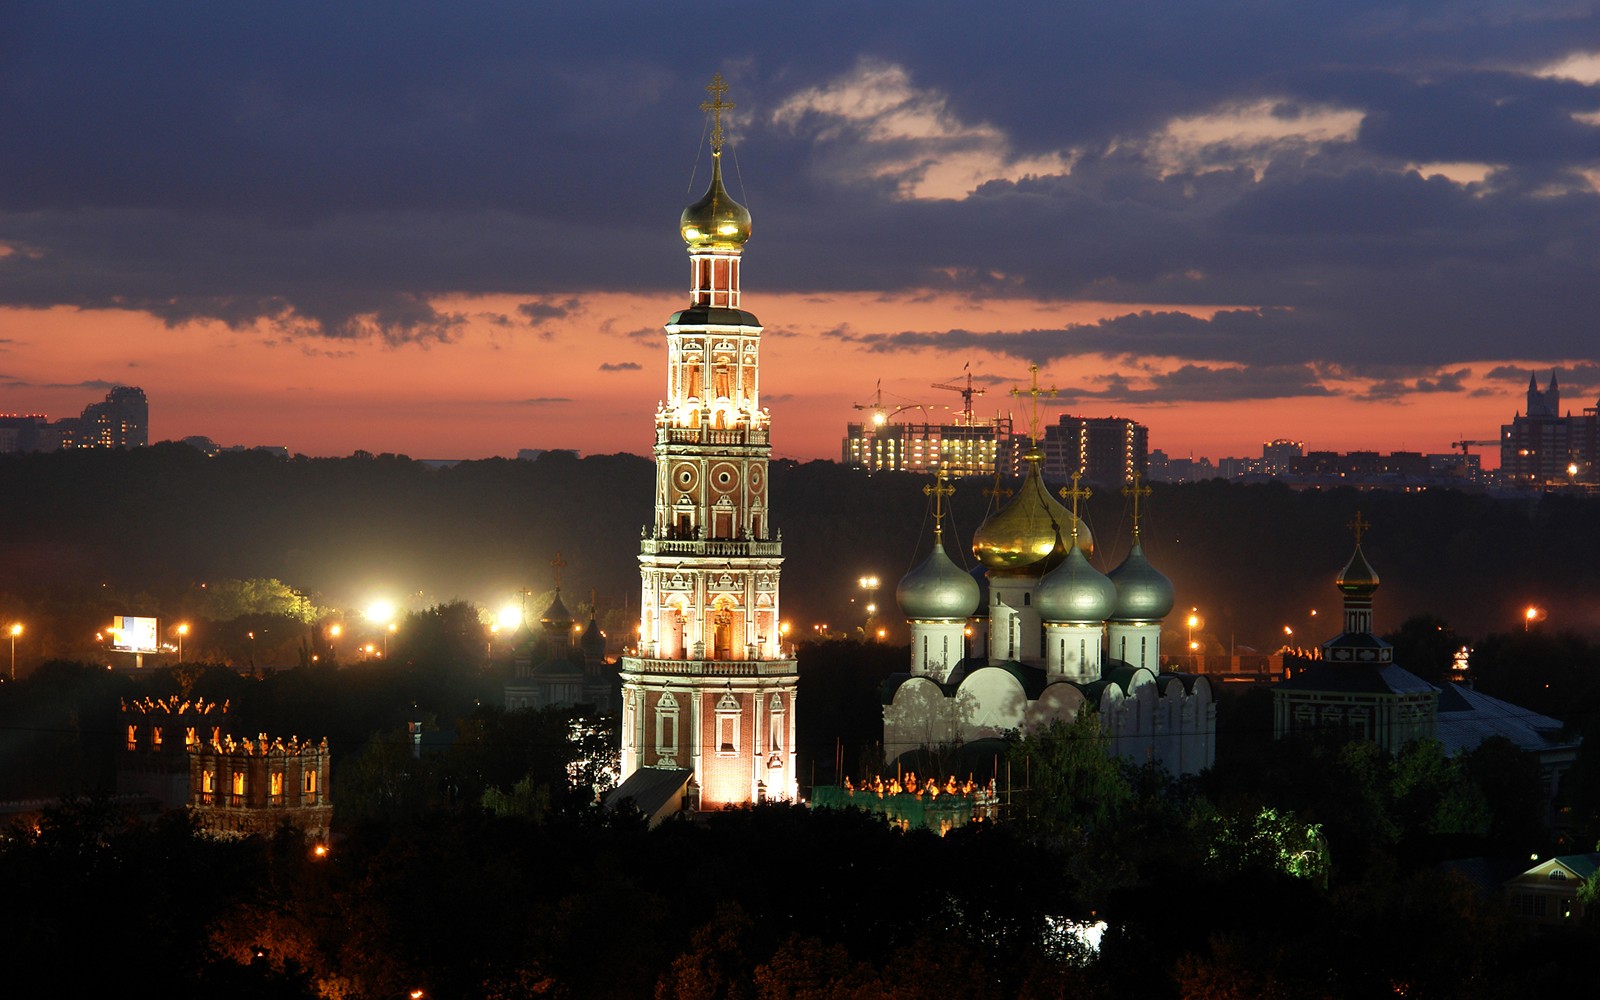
(936, 648)
(1072, 652)
(998, 702)
(1137, 644)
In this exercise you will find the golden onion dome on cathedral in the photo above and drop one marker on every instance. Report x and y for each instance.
(1358, 578)
(1029, 534)
(716, 220)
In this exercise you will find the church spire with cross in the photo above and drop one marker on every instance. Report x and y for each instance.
(936, 597)
(709, 690)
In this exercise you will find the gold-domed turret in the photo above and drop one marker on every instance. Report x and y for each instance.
(716, 220)
(1030, 533)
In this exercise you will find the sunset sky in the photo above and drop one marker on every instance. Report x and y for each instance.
(450, 231)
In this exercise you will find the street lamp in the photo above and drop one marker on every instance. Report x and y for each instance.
(869, 583)
(15, 630)
(181, 630)
(1533, 614)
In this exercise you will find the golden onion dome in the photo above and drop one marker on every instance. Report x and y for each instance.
(1029, 533)
(1358, 578)
(716, 220)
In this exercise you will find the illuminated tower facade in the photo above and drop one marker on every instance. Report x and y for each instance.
(710, 689)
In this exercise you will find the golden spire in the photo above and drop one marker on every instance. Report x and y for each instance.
(556, 564)
(1135, 490)
(1359, 526)
(1075, 494)
(939, 490)
(1035, 392)
(716, 88)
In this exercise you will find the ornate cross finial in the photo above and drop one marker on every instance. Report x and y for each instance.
(996, 491)
(1035, 392)
(1075, 493)
(1359, 526)
(556, 564)
(939, 490)
(716, 106)
(1135, 490)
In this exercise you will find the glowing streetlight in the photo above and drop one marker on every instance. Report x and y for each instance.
(380, 612)
(509, 617)
(1533, 614)
(182, 630)
(15, 630)
(1194, 622)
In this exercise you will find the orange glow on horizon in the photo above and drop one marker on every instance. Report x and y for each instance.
(493, 389)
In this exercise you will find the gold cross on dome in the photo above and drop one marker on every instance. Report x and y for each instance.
(939, 490)
(1135, 490)
(556, 564)
(1035, 392)
(1359, 526)
(716, 106)
(1075, 493)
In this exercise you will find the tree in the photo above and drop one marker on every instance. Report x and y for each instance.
(1074, 783)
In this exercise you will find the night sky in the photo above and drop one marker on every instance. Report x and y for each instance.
(451, 230)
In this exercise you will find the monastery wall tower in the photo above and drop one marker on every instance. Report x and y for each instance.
(710, 690)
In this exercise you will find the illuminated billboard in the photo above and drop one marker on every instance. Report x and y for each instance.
(134, 635)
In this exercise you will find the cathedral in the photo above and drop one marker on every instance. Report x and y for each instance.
(708, 698)
(1048, 633)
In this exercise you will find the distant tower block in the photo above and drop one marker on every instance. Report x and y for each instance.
(709, 693)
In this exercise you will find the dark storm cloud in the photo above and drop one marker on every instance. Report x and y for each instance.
(335, 172)
(1203, 383)
(537, 313)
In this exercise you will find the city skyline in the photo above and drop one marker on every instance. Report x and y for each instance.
(455, 238)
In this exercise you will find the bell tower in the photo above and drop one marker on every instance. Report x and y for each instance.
(710, 688)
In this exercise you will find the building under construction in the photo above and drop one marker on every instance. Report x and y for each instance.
(967, 447)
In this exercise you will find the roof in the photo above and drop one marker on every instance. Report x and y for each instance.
(1356, 678)
(651, 790)
(712, 316)
(1467, 718)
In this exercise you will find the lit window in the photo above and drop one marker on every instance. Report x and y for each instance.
(727, 726)
(133, 737)
(667, 725)
(310, 784)
(238, 785)
(155, 737)
(275, 786)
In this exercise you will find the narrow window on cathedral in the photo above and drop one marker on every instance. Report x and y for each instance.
(155, 737)
(238, 788)
(309, 787)
(189, 738)
(275, 788)
(727, 726)
(924, 653)
(667, 725)
(775, 727)
(133, 737)
(208, 786)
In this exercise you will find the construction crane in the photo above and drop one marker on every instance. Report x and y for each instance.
(1466, 445)
(967, 393)
(882, 414)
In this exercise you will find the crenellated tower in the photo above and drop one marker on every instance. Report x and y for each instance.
(710, 689)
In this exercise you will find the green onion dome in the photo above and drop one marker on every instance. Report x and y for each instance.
(1075, 592)
(1143, 593)
(937, 588)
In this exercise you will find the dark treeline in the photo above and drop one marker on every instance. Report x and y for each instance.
(105, 528)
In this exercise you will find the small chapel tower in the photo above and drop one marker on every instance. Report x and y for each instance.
(709, 690)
